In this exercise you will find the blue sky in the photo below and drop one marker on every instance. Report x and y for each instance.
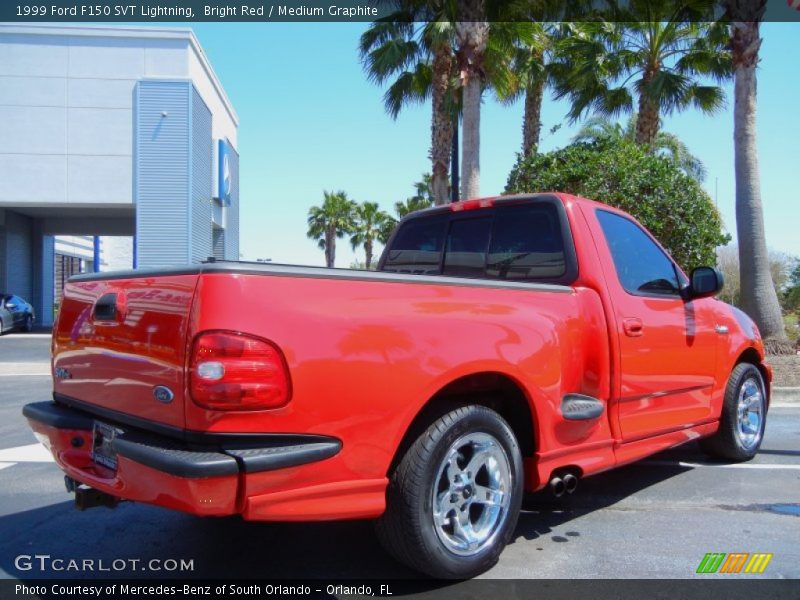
(310, 121)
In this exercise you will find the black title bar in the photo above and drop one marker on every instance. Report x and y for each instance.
(553, 589)
(189, 11)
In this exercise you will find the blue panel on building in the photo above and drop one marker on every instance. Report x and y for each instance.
(201, 176)
(162, 172)
(231, 241)
(224, 181)
(173, 177)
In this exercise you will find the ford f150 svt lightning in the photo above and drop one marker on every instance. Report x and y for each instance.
(503, 345)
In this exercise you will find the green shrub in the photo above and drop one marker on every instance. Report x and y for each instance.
(654, 189)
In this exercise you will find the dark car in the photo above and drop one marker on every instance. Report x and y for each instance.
(15, 313)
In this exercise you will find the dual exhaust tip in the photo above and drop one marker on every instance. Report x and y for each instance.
(566, 484)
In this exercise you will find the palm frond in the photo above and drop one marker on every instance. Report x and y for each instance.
(671, 145)
(369, 221)
(383, 31)
(410, 87)
(657, 48)
(709, 99)
(598, 127)
(392, 57)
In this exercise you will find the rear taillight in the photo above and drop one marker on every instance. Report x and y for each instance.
(232, 371)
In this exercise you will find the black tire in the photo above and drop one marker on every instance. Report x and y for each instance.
(730, 442)
(408, 529)
(28, 326)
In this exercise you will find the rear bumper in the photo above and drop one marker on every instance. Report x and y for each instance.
(203, 477)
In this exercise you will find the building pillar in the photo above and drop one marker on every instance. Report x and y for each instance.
(16, 255)
(43, 274)
(96, 254)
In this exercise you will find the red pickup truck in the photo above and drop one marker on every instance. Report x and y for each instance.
(504, 344)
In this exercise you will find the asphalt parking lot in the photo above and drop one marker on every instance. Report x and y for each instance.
(654, 519)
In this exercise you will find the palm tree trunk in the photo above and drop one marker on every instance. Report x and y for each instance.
(471, 139)
(330, 248)
(368, 251)
(647, 121)
(455, 185)
(472, 34)
(532, 119)
(759, 298)
(441, 125)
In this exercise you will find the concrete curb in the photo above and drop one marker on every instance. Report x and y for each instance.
(786, 395)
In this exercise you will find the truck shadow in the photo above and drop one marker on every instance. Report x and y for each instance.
(543, 514)
(229, 548)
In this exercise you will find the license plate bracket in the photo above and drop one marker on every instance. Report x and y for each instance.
(103, 452)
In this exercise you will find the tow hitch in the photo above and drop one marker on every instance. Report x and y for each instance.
(87, 497)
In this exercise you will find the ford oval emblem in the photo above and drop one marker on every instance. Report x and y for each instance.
(163, 394)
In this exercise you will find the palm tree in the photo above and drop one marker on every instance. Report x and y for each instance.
(598, 127)
(472, 33)
(370, 221)
(442, 57)
(419, 56)
(491, 55)
(530, 62)
(422, 199)
(654, 53)
(332, 220)
(758, 295)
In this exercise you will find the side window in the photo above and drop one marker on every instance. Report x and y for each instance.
(417, 247)
(467, 242)
(526, 243)
(642, 267)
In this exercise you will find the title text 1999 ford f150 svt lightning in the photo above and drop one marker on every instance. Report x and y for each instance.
(503, 345)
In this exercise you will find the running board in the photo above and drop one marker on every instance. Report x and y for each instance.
(577, 407)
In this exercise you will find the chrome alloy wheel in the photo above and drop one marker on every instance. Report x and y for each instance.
(471, 493)
(750, 412)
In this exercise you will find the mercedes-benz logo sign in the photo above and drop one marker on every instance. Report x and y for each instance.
(226, 176)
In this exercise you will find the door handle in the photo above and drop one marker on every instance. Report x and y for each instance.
(633, 327)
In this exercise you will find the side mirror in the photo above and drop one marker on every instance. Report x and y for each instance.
(706, 281)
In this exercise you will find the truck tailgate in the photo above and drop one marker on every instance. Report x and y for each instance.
(120, 344)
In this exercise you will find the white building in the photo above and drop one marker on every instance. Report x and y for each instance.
(111, 131)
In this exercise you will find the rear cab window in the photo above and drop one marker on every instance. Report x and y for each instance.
(523, 241)
(467, 243)
(417, 247)
(527, 244)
